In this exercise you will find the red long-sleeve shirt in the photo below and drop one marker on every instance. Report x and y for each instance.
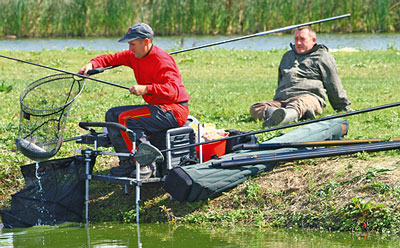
(159, 72)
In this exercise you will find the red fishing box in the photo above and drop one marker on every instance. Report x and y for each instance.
(215, 148)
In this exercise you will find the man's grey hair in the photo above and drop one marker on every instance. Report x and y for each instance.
(313, 34)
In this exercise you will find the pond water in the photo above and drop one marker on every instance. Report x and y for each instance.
(266, 42)
(164, 235)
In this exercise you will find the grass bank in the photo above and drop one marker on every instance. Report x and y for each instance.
(48, 18)
(340, 193)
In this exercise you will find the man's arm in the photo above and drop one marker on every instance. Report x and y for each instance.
(105, 60)
(333, 85)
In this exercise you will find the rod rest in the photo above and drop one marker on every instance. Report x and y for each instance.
(86, 125)
(102, 139)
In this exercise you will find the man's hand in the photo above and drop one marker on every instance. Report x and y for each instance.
(138, 90)
(85, 69)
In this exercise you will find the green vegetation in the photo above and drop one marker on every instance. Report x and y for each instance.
(335, 194)
(304, 195)
(48, 18)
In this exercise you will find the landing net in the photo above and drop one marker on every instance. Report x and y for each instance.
(45, 105)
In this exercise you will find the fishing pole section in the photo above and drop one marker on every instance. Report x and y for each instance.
(71, 73)
(306, 154)
(272, 146)
(278, 30)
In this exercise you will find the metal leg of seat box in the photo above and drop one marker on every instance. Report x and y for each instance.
(138, 185)
(199, 141)
(126, 189)
(87, 182)
(88, 160)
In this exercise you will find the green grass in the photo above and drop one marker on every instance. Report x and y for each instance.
(48, 18)
(222, 84)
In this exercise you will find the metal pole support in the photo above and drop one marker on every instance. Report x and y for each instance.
(87, 181)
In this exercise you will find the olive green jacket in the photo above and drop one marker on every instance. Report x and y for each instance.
(314, 73)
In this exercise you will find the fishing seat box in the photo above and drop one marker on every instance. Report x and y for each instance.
(172, 138)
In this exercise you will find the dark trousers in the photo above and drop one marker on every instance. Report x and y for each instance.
(141, 119)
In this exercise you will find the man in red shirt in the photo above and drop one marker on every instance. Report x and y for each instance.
(159, 82)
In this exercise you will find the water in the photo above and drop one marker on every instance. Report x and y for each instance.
(267, 42)
(43, 212)
(163, 235)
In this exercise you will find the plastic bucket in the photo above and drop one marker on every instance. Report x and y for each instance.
(215, 148)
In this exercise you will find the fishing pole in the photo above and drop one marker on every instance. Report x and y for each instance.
(271, 146)
(278, 30)
(307, 154)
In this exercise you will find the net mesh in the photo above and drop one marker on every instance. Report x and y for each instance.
(45, 105)
(54, 193)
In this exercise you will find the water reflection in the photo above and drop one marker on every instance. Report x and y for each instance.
(163, 235)
(267, 42)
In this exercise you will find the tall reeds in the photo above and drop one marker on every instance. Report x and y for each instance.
(72, 18)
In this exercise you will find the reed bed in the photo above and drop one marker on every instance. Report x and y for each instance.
(82, 18)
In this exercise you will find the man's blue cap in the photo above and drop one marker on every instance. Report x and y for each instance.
(139, 30)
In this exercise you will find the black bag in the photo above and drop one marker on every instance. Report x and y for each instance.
(180, 185)
(230, 143)
(57, 197)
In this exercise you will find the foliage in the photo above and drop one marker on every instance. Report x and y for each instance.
(4, 88)
(48, 18)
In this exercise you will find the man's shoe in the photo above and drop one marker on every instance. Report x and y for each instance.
(269, 111)
(277, 117)
(124, 169)
(281, 116)
(146, 172)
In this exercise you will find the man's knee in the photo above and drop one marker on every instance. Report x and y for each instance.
(110, 116)
(308, 106)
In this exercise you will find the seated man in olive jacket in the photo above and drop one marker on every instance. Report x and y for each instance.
(307, 76)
